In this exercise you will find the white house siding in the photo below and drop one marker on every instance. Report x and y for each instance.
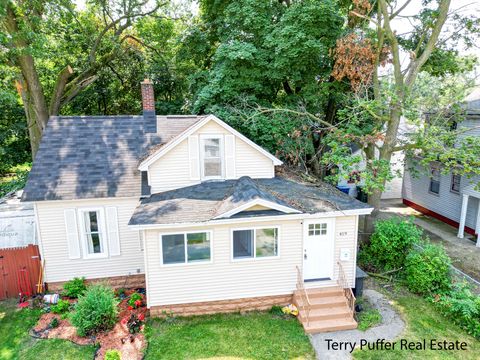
(54, 248)
(172, 170)
(224, 279)
(446, 203)
(346, 239)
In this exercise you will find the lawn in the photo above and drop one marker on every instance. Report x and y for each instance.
(16, 343)
(255, 335)
(424, 322)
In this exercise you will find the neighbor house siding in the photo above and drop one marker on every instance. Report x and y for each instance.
(172, 170)
(58, 266)
(446, 203)
(224, 279)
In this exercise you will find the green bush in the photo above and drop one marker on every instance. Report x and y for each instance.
(74, 288)
(428, 270)
(96, 310)
(135, 299)
(462, 307)
(112, 355)
(389, 244)
(61, 307)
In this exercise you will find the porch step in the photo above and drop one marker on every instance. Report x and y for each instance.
(329, 325)
(328, 310)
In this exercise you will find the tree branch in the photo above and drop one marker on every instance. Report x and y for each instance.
(59, 89)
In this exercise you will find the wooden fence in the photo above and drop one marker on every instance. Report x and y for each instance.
(19, 271)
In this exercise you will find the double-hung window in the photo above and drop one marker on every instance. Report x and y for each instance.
(434, 179)
(455, 185)
(212, 163)
(255, 243)
(182, 248)
(93, 233)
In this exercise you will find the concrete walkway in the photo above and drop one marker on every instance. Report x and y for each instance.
(391, 327)
(463, 252)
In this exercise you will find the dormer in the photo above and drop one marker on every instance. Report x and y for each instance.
(208, 150)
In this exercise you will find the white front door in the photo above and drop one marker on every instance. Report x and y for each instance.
(318, 250)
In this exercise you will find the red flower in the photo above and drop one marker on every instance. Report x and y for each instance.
(130, 307)
(124, 320)
(138, 303)
(141, 317)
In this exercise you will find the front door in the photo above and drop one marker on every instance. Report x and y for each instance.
(318, 254)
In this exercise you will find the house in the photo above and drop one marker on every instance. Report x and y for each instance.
(451, 198)
(192, 210)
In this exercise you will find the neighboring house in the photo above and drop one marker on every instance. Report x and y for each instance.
(191, 209)
(17, 223)
(450, 198)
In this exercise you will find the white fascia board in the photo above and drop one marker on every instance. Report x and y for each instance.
(261, 202)
(301, 216)
(169, 146)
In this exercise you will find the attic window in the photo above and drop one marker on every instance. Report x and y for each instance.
(212, 157)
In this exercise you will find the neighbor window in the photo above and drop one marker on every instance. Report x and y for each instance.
(186, 248)
(317, 229)
(255, 243)
(455, 186)
(92, 232)
(212, 160)
(434, 180)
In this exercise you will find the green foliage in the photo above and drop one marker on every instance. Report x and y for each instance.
(54, 323)
(368, 318)
(134, 298)
(390, 244)
(96, 310)
(276, 310)
(428, 270)
(112, 355)
(15, 181)
(61, 307)
(74, 288)
(462, 307)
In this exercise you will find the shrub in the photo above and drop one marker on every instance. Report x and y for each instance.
(54, 323)
(427, 270)
(112, 355)
(74, 288)
(96, 310)
(462, 307)
(390, 243)
(136, 300)
(135, 322)
(61, 307)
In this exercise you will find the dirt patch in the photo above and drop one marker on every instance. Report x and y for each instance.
(130, 346)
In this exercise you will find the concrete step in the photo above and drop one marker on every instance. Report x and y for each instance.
(329, 325)
(337, 312)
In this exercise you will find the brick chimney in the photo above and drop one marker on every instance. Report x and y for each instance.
(148, 102)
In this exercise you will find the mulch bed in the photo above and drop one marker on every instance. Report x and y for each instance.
(130, 346)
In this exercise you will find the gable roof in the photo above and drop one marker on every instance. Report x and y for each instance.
(209, 200)
(96, 156)
(178, 139)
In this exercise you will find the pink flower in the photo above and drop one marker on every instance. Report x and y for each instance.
(141, 317)
(130, 307)
(138, 303)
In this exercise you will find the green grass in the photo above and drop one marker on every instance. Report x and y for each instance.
(424, 322)
(368, 318)
(255, 335)
(16, 343)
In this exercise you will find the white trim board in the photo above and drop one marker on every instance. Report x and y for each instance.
(261, 202)
(277, 218)
(170, 145)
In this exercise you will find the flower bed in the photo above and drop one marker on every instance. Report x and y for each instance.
(126, 336)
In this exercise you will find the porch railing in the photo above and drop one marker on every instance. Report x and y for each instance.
(347, 290)
(306, 305)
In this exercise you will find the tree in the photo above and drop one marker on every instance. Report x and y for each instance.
(373, 117)
(30, 27)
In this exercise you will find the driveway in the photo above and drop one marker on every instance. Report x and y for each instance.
(463, 252)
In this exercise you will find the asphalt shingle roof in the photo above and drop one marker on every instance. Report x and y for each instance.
(83, 157)
(205, 201)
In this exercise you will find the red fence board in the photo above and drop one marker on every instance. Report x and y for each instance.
(12, 262)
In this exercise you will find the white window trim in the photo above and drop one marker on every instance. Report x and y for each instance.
(254, 257)
(202, 156)
(186, 263)
(459, 184)
(103, 232)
